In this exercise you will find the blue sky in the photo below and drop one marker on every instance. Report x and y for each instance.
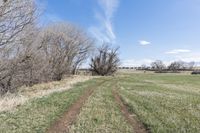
(145, 30)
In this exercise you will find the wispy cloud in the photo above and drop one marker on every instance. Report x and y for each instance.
(143, 42)
(178, 51)
(104, 30)
(49, 18)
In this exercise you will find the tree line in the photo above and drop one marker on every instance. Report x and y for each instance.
(30, 54)
(175, 66)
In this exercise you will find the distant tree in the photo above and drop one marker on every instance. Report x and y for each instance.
(143, 67)
(186, 65)
(106, 61)
(158, 65)
(176, 66)
(190, 65)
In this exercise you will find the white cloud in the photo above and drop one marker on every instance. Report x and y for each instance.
(189, 57)
(104, 31)
(178, 51)
(143, 42)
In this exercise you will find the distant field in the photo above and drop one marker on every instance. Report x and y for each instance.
(164, 103)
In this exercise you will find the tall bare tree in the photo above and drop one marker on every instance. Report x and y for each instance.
(15, 17)
(65, 46)
(176, 66)
(158, 65)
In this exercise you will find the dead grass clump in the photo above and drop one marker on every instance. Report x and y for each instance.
(11, 101)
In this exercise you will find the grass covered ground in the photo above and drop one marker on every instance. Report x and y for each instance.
(10, 101)
(101, 113)
(163, 102)
(38, 114)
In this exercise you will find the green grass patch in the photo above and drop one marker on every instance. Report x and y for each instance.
(101, 114)
(37, 115)
(165, 103)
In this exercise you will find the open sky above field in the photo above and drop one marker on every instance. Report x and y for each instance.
(145, 30)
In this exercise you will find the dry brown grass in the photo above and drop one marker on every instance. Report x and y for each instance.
(11, 101)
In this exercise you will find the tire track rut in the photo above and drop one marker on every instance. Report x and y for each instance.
(137, 126)
(63, 124)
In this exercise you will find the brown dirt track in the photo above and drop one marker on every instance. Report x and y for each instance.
(137, 126)
(62, 125)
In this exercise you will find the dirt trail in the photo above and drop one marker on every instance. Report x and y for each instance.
(62, 125)
(137, 126)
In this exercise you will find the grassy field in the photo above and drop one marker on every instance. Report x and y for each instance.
(101, 114)
(162, 102)
(38, 114)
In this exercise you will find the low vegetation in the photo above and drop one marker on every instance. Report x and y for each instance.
(163, 102)
(10, 101)
(101, 114)
(195, 72)
(38, 114)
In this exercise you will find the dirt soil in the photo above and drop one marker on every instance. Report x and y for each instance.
(63, 124)
(137, 126)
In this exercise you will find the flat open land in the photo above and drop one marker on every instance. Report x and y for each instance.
(126, 103)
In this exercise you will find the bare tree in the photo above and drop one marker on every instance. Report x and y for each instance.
(17, 70)
(158, 65)
(181, 65)
(144, 67)
(29, 55)
(189, 65)
(84, 48)
(176, 66)
(15, 15)
(106, 61)
(64, 46)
